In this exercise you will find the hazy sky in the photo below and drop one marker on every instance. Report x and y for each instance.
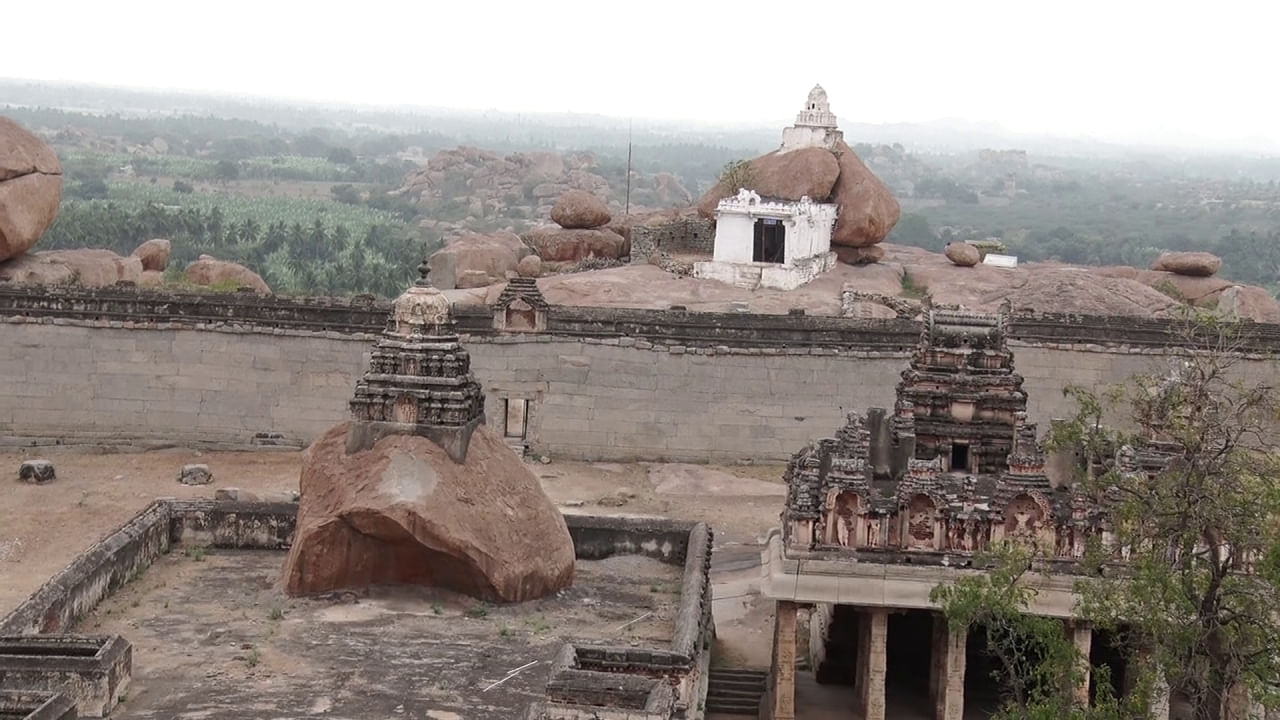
(1121, 69)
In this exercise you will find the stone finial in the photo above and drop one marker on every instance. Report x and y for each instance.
(419, 310)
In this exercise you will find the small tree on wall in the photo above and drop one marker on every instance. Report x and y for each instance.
(737, 175)
(1189, 576)
(1197, 523)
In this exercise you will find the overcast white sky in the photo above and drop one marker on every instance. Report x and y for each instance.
(1122, 69)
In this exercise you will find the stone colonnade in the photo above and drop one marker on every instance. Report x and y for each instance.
(946, 666)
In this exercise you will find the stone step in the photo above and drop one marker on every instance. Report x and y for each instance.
(735, 691)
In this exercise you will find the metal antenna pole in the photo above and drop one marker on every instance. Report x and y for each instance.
(628, 210)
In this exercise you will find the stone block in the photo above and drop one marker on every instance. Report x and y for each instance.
(38, 471)
(195, 474)
(35, 705)
(92, 670)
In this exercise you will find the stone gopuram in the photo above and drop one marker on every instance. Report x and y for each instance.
(415, 489)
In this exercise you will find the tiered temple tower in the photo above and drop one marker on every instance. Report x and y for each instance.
(419, 380)
(961, 392)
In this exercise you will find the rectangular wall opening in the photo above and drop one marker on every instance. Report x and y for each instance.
(959, 458)
(770, 244)
(517, 417)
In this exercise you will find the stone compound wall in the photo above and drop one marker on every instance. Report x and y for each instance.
(589, 398)
(123, 367)
(691, 235)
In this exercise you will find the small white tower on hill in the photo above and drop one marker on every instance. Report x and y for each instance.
(815, 124)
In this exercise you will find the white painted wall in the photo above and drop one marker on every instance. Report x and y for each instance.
(735, 235)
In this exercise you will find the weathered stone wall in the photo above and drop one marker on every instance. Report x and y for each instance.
(592, 398)
(682, 235)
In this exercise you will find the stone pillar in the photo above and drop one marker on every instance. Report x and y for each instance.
(949, 654)
(783, 676)
(1159, 698)
(1082, 637)
(937, 655)
(872, 643)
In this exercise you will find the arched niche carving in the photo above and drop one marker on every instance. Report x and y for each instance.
(521, 317)
(406, 409)
(921, 523)
(1026, 517)
(843, 518)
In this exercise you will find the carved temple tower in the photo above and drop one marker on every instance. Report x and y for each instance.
(419, 380)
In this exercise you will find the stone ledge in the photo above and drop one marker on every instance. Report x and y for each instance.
(31, 705)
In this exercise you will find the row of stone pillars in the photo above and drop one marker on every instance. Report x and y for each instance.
(946, 667)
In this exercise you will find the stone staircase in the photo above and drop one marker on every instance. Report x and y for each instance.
(735, 691)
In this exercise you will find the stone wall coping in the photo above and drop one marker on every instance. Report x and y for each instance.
(662, 330)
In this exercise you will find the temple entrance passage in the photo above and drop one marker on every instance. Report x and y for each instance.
(908, 656)
(770, 244)
(840, 657)
(1109, 659)
(983, 690)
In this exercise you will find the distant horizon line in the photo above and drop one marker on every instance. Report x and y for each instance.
(1190, 143)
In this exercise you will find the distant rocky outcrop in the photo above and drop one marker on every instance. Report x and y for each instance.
(475, 260)
(867, 208)
(30, 188)
(84, 267)
(208, 271)
(1194, 264)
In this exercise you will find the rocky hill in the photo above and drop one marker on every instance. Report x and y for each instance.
(902, 279)
(467, 188)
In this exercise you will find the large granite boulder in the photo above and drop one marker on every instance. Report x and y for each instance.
(84, 267)
(30, 188)
(808, 172)
(473, 258)
(557, 244)
(868, 209)
(962, 254)
(209, 271)
(1195, 264)
(154, 254)
(403, 512)
(858, 255)
(580, 209)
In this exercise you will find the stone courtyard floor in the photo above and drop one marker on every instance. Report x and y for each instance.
(43, 528)
(213, 636)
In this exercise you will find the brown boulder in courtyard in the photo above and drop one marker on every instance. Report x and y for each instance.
(580, 209)
(30, 188)
(403, 512)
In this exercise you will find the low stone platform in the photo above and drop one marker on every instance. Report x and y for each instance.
(94, 671)
(215, 637)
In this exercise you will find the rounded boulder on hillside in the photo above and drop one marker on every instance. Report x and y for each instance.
(30, 188)
(578, 209)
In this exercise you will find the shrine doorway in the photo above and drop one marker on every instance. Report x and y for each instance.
(770, 242)
(959, 458)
